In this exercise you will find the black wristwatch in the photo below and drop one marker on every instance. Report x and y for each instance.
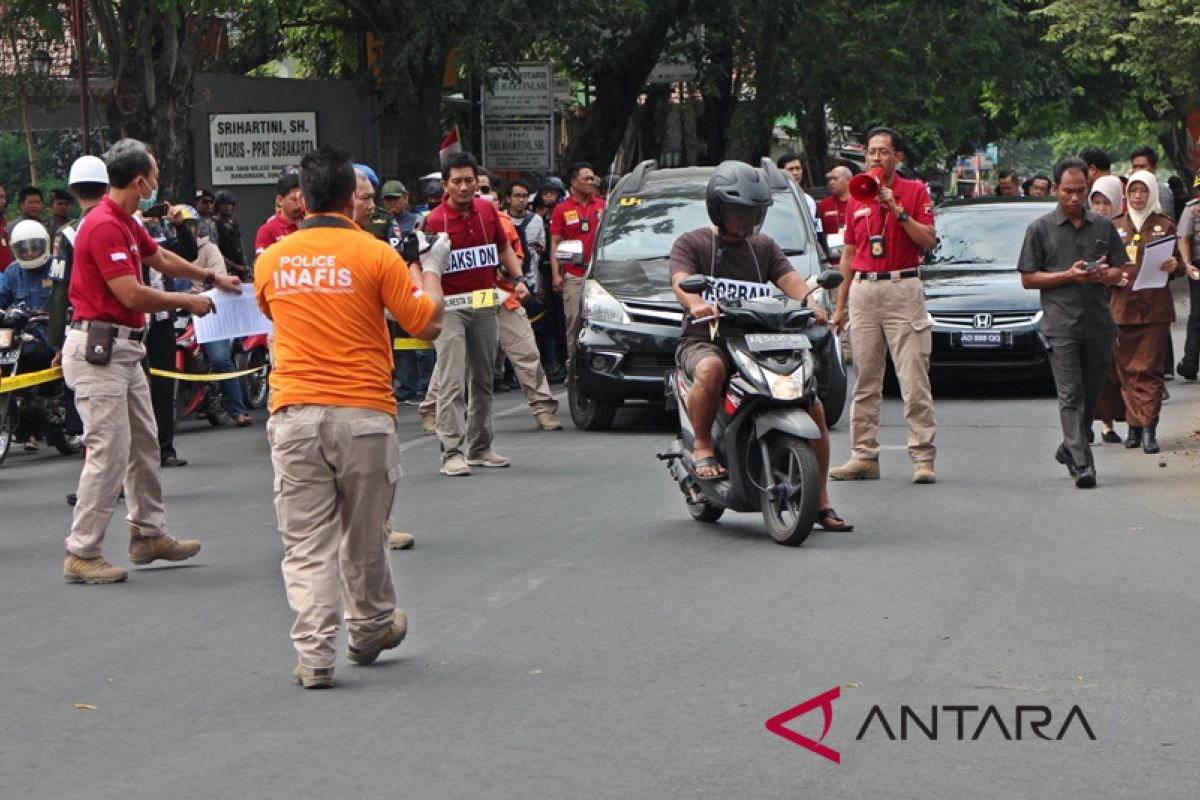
(903, 217)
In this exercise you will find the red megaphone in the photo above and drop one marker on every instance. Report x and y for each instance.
(865, 186)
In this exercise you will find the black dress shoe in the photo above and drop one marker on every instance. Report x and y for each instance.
(174, 461)
(1063, 457)
(1091, 436)
(1189, 373)
(1111, 437)
(1135, 437)
(1149, 440)
(1085, 477)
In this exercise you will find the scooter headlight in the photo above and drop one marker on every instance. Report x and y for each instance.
(749, 367)
(6, 337)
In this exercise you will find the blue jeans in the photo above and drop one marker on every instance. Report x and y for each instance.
(413, 371)
(221, 361)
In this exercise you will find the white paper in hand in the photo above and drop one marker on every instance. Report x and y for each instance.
(235, 315)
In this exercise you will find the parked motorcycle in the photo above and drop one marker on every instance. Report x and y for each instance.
(195, 397)
(763, 430)
(42, 407)
(252, 353)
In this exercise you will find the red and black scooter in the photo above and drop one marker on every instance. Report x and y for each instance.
(195, 397)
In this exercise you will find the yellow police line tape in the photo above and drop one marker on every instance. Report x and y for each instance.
(204, 377)
(411, 344)
(29, 379)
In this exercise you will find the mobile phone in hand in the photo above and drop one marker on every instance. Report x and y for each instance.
(157, 210)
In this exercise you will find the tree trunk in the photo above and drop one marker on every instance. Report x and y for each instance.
(814, 132)
(618, 84)
(717, 114)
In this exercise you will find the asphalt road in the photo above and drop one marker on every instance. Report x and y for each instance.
(575, 635)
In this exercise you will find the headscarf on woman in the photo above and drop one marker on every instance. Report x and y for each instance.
(1148, 180)
(1111, 187)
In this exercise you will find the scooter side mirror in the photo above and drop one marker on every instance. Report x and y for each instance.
(830, 279)
(694, 284)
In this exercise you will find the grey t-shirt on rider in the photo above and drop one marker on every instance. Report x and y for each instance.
(746, 268)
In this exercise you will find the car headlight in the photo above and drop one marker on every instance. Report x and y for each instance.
(6, 337)
(600, 306)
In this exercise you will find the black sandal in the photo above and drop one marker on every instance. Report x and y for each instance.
(825, 517)
(709, 462)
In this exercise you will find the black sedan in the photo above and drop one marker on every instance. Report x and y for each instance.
(985, 324)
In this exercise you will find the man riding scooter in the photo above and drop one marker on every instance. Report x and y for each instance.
(742, 261)
(29, 286)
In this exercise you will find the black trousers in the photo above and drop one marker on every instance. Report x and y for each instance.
(1079, 367)
(160, 354)
(1191, 349)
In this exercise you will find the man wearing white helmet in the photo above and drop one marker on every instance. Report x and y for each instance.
(27, 282)
(88, 181)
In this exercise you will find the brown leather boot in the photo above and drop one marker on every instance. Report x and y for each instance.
(91, 570)
(856, 469)
(145, 549)
(395, 635)
(313, 677)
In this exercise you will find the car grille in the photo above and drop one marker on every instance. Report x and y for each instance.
(648, 364)
(653, 313)
(1000, 321)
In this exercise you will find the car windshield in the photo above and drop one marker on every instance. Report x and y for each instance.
(983, 235)
(646, 226)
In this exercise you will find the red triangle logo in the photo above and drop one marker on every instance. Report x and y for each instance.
(822, 701)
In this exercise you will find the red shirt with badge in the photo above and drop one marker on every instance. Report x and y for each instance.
(110, 244)
(864, 220)
(477, 238)
(575, 220)
(272, 231)
(832, 213)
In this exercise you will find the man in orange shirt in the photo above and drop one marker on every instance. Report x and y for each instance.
(333, 418)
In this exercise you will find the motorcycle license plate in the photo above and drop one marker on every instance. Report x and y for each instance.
(9, 356)
(981, 339)
(766, 342)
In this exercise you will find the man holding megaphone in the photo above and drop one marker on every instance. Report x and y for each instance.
(889, 223)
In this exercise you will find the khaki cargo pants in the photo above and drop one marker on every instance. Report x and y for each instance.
(461, 385)
(890, 316)
(336, 471)
(121, 439)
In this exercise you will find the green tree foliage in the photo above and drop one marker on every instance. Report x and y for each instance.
(1150, 49)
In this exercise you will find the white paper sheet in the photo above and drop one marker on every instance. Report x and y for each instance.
(236, 315)
(1151, 275)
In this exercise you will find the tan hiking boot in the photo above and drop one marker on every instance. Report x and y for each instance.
(856, 469)
(455, 466)
(923, 472)
(399, 540)
(91, 570)
(547, 422)
(429, 425)
(395, 635)
(313, 677)
(489, 459)
(145, 549)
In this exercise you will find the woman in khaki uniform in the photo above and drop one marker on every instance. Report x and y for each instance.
(1143, 317)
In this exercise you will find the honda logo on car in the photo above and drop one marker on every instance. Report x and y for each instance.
(982, 321)
(957, 722)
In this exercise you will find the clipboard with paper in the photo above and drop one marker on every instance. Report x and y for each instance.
(1154, 255)
(236, 315)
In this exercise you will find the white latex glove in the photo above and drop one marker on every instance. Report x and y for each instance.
(435, 256)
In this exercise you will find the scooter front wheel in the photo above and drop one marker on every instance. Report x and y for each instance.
(789, 503)
(704, 511)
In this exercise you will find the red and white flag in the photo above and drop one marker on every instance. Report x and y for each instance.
(449, 145)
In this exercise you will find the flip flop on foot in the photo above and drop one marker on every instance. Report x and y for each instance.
(707, 468)
(829, 520)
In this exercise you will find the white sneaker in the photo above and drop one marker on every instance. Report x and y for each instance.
(490, 459)
(455, 466)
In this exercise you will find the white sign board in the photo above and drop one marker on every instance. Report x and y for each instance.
(529, 94)
(255, 148)
(672, 73)
(518, 145)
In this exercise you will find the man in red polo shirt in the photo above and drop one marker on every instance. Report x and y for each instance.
(832, 208)
(884, 300)
(466, 348)
(102, 363)
(575, 218)
(287, 197)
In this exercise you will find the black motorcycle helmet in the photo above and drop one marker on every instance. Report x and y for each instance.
(736, 183)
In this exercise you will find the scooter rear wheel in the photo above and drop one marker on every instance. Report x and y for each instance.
(6, 425)
(789, 505)
(703, 511)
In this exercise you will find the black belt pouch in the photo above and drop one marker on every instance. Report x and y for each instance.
(100, 337)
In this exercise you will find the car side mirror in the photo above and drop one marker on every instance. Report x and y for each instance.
(830, 279)
(694, 284)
